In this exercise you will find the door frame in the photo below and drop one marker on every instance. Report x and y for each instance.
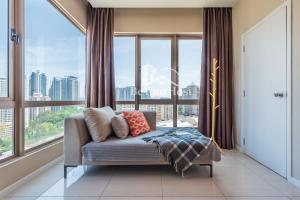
(288, 5)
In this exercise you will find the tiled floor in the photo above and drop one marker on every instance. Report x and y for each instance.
(235, 177)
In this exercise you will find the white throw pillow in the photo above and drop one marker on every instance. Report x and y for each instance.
(120, 126)
(98, 121)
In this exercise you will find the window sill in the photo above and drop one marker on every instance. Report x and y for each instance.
(30, 152)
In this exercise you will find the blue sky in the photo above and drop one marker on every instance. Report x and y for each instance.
(53, 44)
(156, 63)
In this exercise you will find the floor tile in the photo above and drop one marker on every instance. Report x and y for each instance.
(81, 182)
(257, 198)
(236, 177)
(246, 186)
(52, 198)
(135, 181)
(194, 198)
(131, 198)
(229, 171)
(39, 184)
(277, 181)
(68, 198)
(195, 183)
(20, 198)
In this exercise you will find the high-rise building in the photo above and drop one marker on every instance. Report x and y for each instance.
(3, 87)
(37, 83)
(43, 84)
(125, 94)
(35, 111)
(146, 95)
(34, 83)
(192, 91)
(69, 88)
(6, 115)
(55, 89)
(164, 112)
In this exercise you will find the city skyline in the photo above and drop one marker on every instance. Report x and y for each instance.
(64, 89)
(187, 115)
(127, 93)
(55, 52)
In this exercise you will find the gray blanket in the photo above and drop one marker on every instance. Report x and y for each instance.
(180, 146)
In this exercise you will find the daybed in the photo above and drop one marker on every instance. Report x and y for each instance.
(80, 149)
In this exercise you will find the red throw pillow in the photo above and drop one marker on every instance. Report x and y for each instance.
(137, 122)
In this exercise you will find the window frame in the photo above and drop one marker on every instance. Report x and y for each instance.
(174, 100)
(16, 65)
(9, 102)
(32, 104)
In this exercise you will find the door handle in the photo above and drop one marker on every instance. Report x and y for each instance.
(279, 94)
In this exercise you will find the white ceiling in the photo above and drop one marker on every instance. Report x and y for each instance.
(161, 3)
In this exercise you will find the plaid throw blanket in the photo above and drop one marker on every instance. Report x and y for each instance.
(180, 146)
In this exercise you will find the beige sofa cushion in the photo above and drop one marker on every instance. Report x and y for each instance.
(120, 126)
(98, 121)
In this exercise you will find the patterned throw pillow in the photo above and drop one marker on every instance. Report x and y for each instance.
(137, 123)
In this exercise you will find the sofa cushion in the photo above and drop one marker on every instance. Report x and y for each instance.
(137, 122)
(134, 149)
(129, 149)
(98, 121)
(120, 126)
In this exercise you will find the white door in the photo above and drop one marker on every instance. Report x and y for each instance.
(265, 102)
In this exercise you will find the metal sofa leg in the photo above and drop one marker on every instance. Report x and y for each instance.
(66, 170)
(211, 170)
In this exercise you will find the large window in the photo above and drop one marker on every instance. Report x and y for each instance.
(189, 67)
(155, 68)
(125, 66)
(4, 48)
(6, 133)
(189, 64)
(54, 57)
(42, 74)
(165, 73)
(164, 113)
(6, 98)
(43, 124)
(54, 71)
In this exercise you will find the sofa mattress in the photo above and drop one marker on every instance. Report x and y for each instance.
(134, 149)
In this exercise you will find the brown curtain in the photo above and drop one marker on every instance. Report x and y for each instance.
(100, 72)
(217, 43)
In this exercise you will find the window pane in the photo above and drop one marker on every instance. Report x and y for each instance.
(6, 132)
(189, 58)
(4, 48)
(164, 114)
(187, 115)
(54, 57)
(125, 107)
(44, 124)
(124, 60)
(156, 69)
